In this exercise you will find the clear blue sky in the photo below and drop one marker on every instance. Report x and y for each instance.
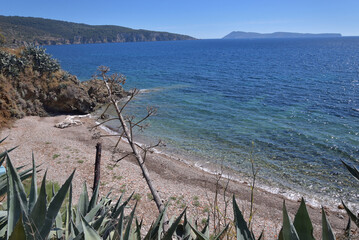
(200, 18)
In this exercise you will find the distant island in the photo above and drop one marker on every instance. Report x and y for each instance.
(250, 35)
(39, 31)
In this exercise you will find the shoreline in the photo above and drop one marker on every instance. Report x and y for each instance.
(176, 181)
(233, 175)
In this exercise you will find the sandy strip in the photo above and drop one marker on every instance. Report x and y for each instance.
(60, 151)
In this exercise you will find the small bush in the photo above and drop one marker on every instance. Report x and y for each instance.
(10, 65)
(42, 61)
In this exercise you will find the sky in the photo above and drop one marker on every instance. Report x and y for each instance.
(200, 18)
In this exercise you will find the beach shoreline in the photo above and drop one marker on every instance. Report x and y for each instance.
(179, 181)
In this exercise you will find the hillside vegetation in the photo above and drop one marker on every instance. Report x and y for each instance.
(40, 31)
(33, 83)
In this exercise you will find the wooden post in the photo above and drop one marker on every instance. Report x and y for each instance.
(97, 166)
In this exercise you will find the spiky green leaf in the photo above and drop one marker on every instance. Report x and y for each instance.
(353, 217)
(94, 198)
(302, 223)
(221, 233)
(129, 223)
(289, 232)
(327, 232)
(353, 170)
(243, 232)
(173, 227)
(33, 188)
(82, 205)
(18, 233)
(39, 210)
(89, 232)
(13, 204)
(55, 206)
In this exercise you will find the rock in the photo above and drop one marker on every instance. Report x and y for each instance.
(59, 92)
(340, 206)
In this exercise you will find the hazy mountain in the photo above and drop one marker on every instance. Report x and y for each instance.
(246, 35)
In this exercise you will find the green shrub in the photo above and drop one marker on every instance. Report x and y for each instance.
(41, 61)
(10, 65)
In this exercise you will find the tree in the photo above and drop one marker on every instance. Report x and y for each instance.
(127, 126)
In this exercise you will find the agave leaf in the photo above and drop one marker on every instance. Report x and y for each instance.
(354, 218)
(3, 154)
(55, 206)
(13, 203)
(91, 215)
(68, 215)
(118, 210)
(39, 210)
(243, 232)
(4, 139)
(3, 179)
(83, 204)
(119, 228)
(128, 228)
(118, 203)
(18, 233)
(94, 198)
(347, 233)
(289, 232)
(168, 235)
(58, 224)
(280, 235)
(3, 224)
(302, 223)
(205, 230)
(33, 188)
(138, 230)
(97, 224)
(353, 170)
(219, 235)
(74, 230)
(327, 232)
(200, 236)
(261, 236)
(89, 232)
(155, 227)
(187, 228)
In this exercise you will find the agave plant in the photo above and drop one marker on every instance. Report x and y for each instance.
(31, 217)
(354, 171)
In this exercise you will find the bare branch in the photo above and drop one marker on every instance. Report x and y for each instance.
(133, 94)
(108, 120)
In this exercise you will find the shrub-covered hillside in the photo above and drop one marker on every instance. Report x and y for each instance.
(40, 31)
(32, 83)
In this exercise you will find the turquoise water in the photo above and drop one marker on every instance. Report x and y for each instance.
(293, 102)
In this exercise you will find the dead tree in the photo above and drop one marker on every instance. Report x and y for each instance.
(127, 126)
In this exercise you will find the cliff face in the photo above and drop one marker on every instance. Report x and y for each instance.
(21, 30)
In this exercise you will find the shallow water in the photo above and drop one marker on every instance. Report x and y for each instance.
(294, 103)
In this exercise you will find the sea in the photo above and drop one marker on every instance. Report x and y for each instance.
(290, 106)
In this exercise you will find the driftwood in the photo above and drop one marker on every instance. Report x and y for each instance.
(68, 122)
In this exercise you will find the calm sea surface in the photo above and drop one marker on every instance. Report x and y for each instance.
(293, 103)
